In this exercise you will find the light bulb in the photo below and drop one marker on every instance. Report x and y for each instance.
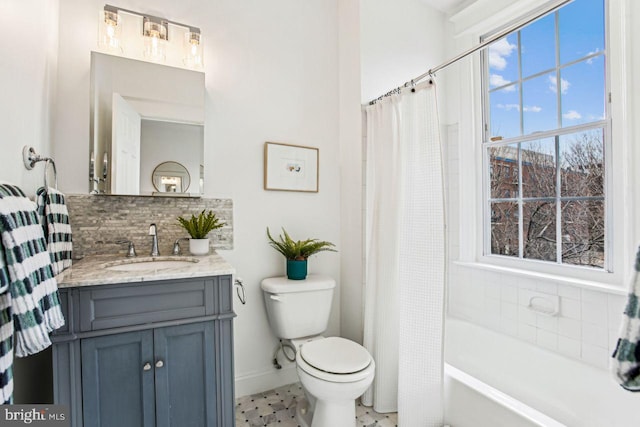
(193, 49)
(109, 31)
(155, 33)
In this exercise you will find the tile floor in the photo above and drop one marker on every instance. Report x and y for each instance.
(278, 407)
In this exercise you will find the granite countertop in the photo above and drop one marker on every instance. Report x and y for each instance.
(93, 270)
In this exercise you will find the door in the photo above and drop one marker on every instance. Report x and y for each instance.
(185, 361)
(118, 381)
(125, 147)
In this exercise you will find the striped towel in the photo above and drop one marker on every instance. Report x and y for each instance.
(626, 357)
(29, 305)
(6, 335)
(54, 218)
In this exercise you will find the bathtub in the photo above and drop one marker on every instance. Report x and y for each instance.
(495, 380)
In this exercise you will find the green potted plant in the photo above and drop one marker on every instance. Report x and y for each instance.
(198, 228)
(297, 251)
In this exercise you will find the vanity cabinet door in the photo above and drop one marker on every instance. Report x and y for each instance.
(185, 363)
(118, 380)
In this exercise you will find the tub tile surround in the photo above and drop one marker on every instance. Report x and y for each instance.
(586, 327)
(99, 221)
(277, 407)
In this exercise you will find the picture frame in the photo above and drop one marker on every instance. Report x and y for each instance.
(290, 167)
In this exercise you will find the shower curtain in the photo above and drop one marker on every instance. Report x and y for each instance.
(405, 256)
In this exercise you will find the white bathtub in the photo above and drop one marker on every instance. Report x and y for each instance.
(494, 380)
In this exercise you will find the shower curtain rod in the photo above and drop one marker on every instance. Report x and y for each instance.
(525, 21)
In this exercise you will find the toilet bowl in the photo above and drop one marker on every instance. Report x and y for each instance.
(333, 371)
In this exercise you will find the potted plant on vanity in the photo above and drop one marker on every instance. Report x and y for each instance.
(198, 228)
(297, 252)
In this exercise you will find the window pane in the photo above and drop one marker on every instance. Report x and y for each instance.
(539, 168)
(504, 171)
(503, 61)
(581, 29)
(539, 228)
(582, 164)
(583, 92)
(540, 104)
(538, 46)
(505, 112)
(504, 228)
(583, 233)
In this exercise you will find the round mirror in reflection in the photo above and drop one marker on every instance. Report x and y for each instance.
(171, 177)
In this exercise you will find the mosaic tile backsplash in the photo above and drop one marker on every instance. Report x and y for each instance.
(98, 222)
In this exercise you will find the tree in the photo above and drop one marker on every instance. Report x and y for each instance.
(524, 176)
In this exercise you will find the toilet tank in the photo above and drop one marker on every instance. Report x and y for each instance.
(298, 308)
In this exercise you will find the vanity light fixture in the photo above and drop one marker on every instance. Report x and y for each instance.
(156, 34)
(161, 40)
(193, 48)
(109, 34)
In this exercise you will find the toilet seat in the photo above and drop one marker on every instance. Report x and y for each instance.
(335, 359)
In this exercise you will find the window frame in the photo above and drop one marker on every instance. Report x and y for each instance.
(486, 144)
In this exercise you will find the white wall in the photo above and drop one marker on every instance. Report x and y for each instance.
(28, 66)
(400, 40)
(350, 171)
(271, 75)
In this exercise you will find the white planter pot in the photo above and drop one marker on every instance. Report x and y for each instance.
(199, 246)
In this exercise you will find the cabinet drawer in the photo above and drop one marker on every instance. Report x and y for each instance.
(113, 306)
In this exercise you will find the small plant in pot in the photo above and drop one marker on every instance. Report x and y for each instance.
(297, 251)
(199, 228)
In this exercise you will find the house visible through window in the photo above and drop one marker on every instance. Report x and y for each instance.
(546, 137)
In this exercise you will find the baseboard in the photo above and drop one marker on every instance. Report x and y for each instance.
(257, 382)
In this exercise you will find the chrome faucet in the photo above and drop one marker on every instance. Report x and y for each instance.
(153, 231)
(176, 246)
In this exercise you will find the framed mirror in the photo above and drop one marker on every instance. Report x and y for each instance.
(142, 115)
(171, 177)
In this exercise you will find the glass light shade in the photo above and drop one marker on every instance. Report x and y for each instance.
(193, 50)
(155, 40)
(109, 31)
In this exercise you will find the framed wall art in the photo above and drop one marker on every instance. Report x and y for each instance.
(291, 167)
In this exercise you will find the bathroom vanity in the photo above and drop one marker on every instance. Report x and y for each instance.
(146, 343)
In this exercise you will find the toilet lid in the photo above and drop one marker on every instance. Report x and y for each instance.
(335, 355)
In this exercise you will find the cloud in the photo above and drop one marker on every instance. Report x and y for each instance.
(572, 115)
(498, 52)
(532, 109)
(496, 80)
(509, 107)
(526, 109)
(553, 85)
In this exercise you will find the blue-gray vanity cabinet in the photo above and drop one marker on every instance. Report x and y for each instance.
(117, 389)
(164, 361)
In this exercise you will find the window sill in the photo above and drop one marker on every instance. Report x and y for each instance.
(559, 279)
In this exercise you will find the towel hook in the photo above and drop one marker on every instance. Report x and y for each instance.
(30, 158)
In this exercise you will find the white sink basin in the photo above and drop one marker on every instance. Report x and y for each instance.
(149, 264)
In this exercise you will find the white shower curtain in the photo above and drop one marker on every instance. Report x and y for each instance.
(405, 250)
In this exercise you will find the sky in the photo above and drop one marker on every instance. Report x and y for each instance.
(581, 85)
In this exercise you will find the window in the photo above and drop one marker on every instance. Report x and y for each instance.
(545, 140)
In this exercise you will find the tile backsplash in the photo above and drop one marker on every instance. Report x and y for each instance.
(97, 222)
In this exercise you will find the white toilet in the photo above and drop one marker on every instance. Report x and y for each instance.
(333, 371)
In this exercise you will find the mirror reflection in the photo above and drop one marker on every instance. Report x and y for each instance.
(171, 177)
(144, 115)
